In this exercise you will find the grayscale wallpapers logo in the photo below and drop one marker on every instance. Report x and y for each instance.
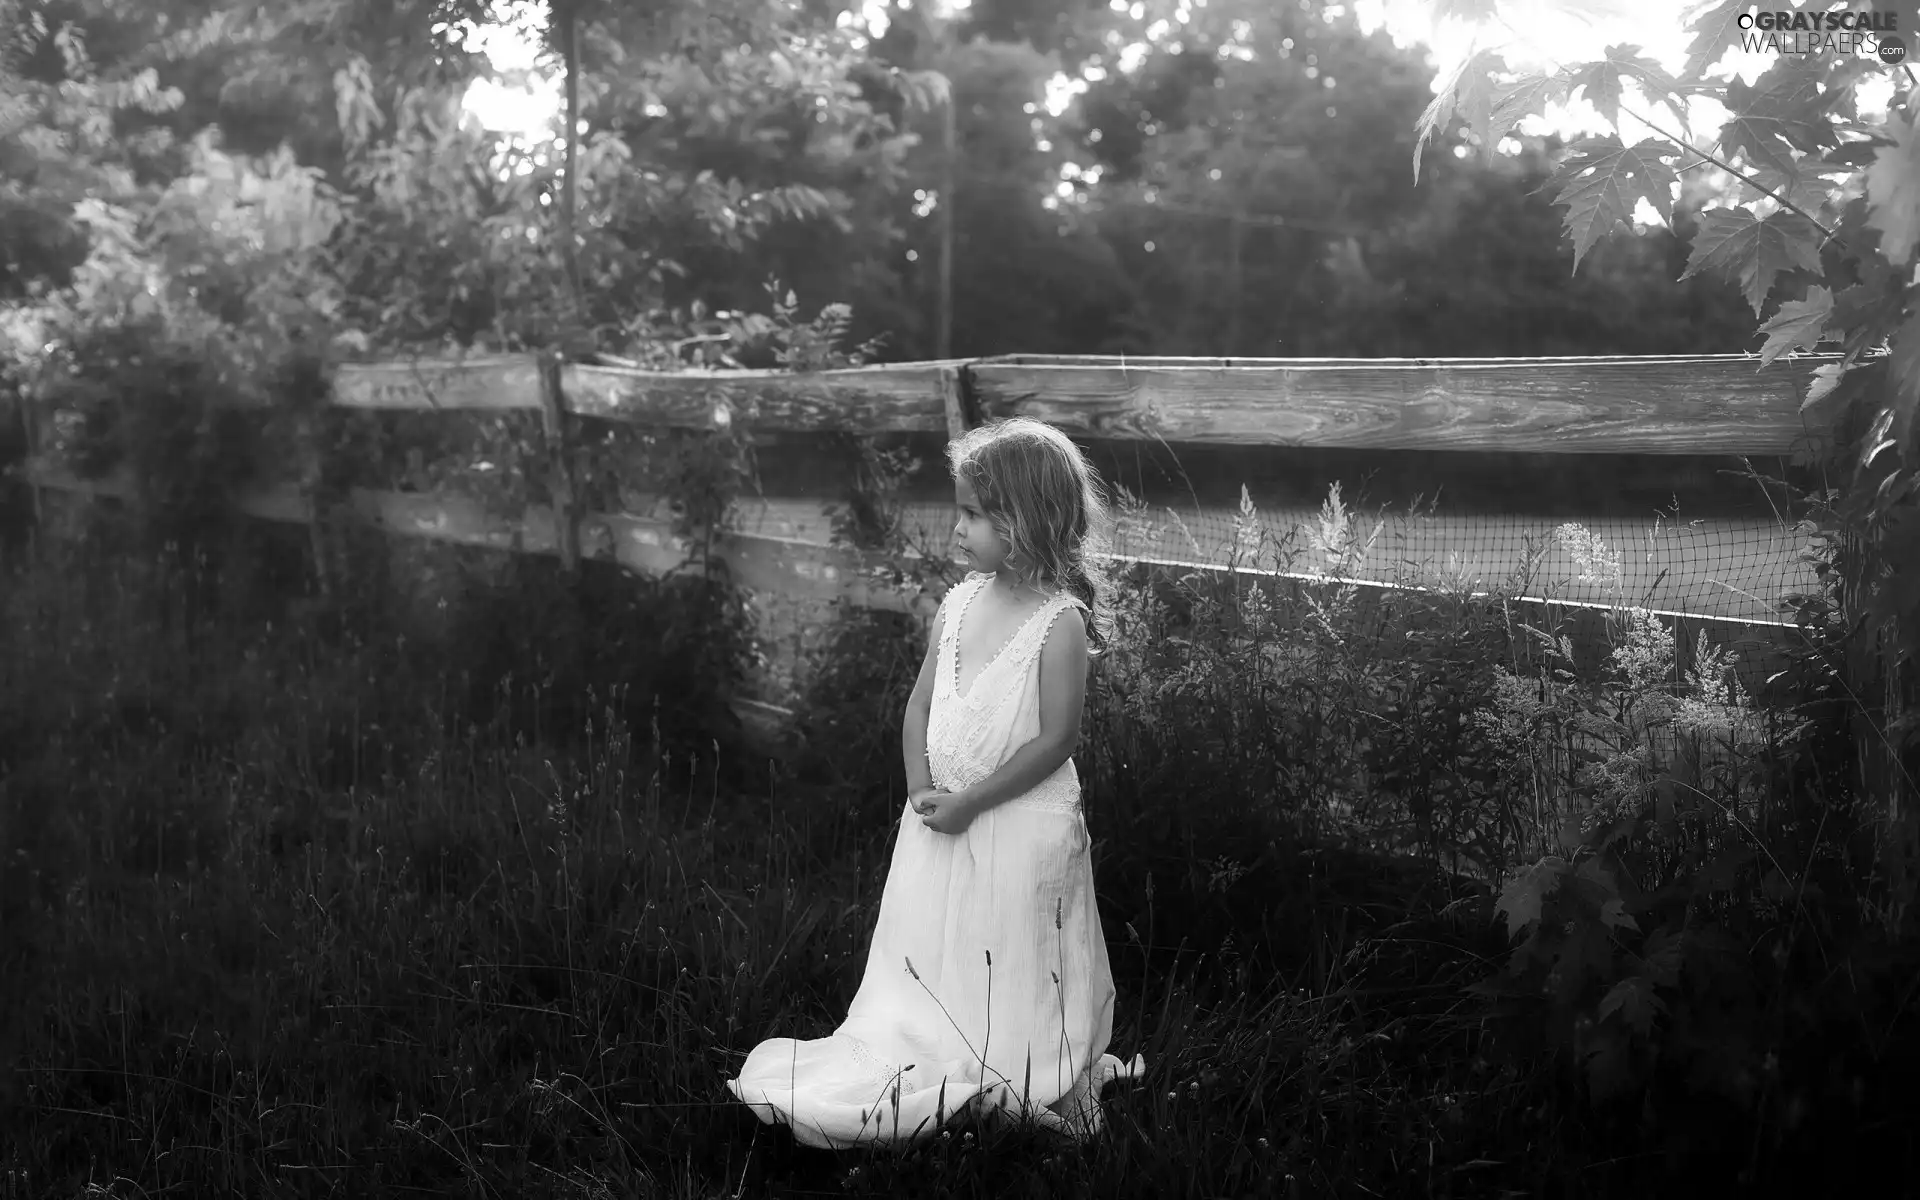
(1803, 34)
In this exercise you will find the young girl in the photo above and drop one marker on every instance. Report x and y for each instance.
(987, 985)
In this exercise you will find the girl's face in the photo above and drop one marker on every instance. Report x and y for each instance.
(974, 539)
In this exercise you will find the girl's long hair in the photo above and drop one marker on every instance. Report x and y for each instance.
(1047, 502)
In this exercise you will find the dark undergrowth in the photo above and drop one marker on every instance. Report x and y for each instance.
(378, 897)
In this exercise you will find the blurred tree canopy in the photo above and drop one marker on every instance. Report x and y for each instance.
(1227, 177)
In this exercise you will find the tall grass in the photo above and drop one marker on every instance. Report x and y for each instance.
(370, 898)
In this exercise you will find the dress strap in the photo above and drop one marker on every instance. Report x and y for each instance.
(1041, 627)
(959, 596)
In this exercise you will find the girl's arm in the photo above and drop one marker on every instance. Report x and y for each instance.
(1063, 693)
(913, 728)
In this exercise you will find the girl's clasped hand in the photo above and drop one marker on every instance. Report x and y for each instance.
(942, 811)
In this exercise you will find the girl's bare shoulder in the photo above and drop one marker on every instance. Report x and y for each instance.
(1068, 635)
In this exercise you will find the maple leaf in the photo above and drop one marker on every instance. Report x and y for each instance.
(1521, 898)
(1836, 388)
(1476, 100)
(1634, 999)
(1614, 915)
(1853, 154)
(1715, 25)
(1798, 325)
(1867, 312)
(1806, 187)
(1600, 81)
(1751, 251)
(1783, 110)
(1600, 182)
(1469, 90)
(1515, 102)
(1861, 240)
(1893, 193)
(1826, 383)
(1843, 77)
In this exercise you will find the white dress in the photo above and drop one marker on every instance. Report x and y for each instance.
(934, 1029)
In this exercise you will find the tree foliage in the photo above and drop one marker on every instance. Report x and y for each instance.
(1820, 235)
(737, 140)
(1247, 170)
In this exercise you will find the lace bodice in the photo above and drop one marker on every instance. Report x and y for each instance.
(969, 734)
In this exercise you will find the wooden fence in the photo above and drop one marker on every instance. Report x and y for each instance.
(1659, 407)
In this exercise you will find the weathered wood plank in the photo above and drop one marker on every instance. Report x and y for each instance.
(641, 544)
(953, 398)
(1605, 404)
(884, 399)
(499, 381)
(452, 518)
(1717, 404)
(1174, 360)
(645, 544)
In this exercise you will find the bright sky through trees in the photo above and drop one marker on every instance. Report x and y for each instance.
(1534, 35)
(524, 104)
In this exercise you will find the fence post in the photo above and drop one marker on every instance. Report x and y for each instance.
(957, 399)
(566, 509)
(953, 395)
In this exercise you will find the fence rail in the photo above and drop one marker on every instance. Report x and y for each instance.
(1697, 405)
(1721, 404)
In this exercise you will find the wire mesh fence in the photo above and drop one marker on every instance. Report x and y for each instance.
(1733, 569)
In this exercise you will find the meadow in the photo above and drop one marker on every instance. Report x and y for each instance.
(455, 883)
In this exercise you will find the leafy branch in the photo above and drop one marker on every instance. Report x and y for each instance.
(1750, 180)
(1835, 262)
